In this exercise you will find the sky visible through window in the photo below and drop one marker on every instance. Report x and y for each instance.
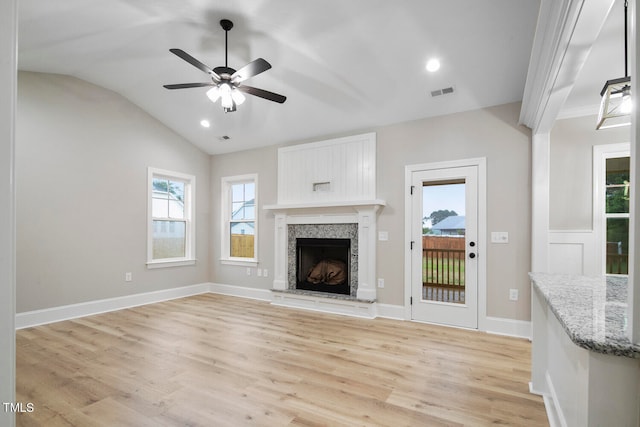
(442, 197)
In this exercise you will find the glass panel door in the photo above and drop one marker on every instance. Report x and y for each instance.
(444, 270)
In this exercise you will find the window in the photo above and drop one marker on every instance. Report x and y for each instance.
(171, 230)
(611, 212)
(240, 222)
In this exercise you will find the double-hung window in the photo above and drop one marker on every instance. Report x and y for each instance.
(612, 167)
(171, 225)
(239, 219)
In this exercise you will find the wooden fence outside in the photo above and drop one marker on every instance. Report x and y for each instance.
(443, 242)
(443, 268)
(242, 245)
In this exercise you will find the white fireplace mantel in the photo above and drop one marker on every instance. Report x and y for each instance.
(363, 213)
(355, 204)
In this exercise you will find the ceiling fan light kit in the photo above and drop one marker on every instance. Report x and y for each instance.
(616, 104)
(226, 83)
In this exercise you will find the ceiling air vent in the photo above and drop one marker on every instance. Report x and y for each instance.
(443, 91)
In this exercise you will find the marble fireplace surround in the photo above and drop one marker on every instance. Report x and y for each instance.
(311, 219)
(323, 231)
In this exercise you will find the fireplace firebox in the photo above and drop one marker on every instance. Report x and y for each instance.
(322, 265)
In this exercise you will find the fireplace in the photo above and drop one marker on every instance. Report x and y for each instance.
(322, 265)
(321, 249)
(327, 190)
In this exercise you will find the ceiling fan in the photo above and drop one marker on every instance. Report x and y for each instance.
(227, 83)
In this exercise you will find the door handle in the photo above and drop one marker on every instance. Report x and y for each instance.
(472, 255)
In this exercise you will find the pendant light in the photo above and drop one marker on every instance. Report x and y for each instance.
(616, 106)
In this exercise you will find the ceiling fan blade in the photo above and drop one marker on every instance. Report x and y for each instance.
(188, 85)
(193, 61)
(263, 93)
(253, 68)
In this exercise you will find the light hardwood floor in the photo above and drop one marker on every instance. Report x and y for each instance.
(213, 360)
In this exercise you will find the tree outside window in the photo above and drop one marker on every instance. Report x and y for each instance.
(617, 180)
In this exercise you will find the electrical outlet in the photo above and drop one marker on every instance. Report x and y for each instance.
(381, 283)
(259, 272)
(128, 277)
(265, 272)
(248, 271)
(513, 294)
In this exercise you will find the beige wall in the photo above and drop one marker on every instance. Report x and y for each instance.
(492, 133)
(82, 154)
(81, 174)
(262, 161)
(570, 176)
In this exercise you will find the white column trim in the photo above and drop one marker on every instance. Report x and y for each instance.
(367, 264)
(540, 167)
(280, 255)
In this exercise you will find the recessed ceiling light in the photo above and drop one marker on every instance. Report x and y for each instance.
(205, 123)
(433, 65)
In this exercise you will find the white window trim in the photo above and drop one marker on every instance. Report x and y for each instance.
(600, 155)
(189, 211)
(225, 203)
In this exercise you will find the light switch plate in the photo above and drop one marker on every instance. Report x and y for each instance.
(499, 237)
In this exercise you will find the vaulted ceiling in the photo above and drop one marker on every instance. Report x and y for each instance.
(344, 66)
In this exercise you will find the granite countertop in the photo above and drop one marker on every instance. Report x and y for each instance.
(592, 310)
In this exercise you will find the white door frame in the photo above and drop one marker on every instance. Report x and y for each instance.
(481, 163)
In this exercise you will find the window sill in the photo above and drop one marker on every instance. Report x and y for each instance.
(241, 262)
(170, 263)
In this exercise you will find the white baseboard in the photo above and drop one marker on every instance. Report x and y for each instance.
(56, 314)
(494, 325)
(554, 410)
(509, 327)
(390, 311)
(241, 291)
